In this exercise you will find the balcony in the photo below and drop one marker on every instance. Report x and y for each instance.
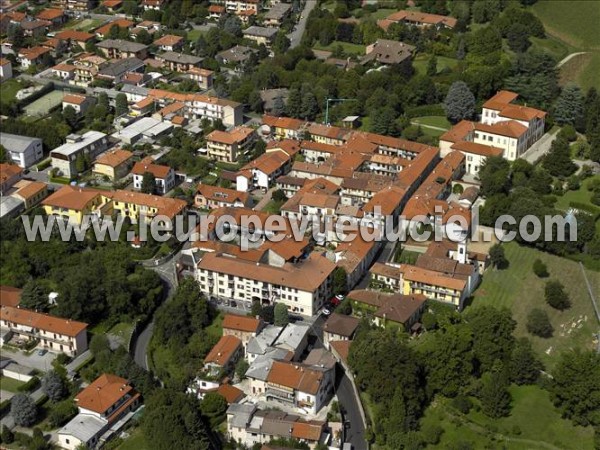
(280, 395)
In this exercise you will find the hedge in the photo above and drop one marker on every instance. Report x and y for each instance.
(30, 386)
(4, 407)
(44, 164)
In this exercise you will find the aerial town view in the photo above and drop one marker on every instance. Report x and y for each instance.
(299, 224)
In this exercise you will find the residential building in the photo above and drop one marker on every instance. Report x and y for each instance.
(56, 16)
(113, 164)
(53, 333)
(216, 12)
(260, 35)
(211, 197)
(104, 406)
(285, 127)
(74, 5)
(10, 296)
(275, 16)
(227, 145)
(103, 31)
(22, 150)
(57, 46)
(224, 355)
(119, 48)
(262, 172)
(179, 62)
(112, 5)
(169, 43)
(293, 339)
(241, 6)
(136, 205)
(242, 327)
(418, 19)
(152, 4)
(33, 56)
(80, 103)
(35, 28)
(387, 52)
(236, 57)
(9, 175)
(339, 328)
(89, 145)
(164, 176)
(31, 192)
(64, 71)
(203, 77)
(75, 37)
(116, 71)
(72, 203)
(6, 72)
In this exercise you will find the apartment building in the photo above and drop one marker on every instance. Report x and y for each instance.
(178, 62)
(104, 407)
(242, 327)
(113, 164)
(74, 5)
(33, 56)
(211, 197)
(24, 151)
(169, 43)
(260, 35)
(164, 176)
(418, 19)
(136, 205)
(9, 175)
(203, 77)
(339, 327)
(228, 145)
(53, 333)
(88, 145)
(119, 48)
(284, 127)
(71, 203)
(80, 103)
(262, 172)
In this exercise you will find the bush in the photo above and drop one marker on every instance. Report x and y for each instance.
(568, 132)
(425, 110)
(458, 189)
(432, 433)
(23, 410)
(7, 435)
(30, 386)
(539, 324)
(62, 412)
(556, 296)
(44, 165)
(462, 403)
(540, 269)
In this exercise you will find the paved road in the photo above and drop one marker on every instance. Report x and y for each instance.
(355, 431)
(296, 36)
(540, 148)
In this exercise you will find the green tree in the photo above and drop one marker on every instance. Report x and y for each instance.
(575, 386)
(340, 281)
(54, 386)
(540, 269)
(495, 398)
(241, 368)
(494, 176)
(34, 296)
(23, 410)
(518, 38)
(497, 257)
(294, 102)
(460, 102)
(80, 165)
(121, 107)
(278, 106)
(432, 66)
(281, 43)
(279, 196)
(148, 183)
(555, 295)
(493, 338)
(213, 407)
(7, 435)
(569, 106)
(70, 116)
(309, 106)
(282, 317)
(524, 365)
(538, 323)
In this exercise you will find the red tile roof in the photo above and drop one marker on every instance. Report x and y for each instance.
(46, 322)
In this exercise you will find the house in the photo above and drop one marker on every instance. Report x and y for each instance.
(34, 56)
(87, 67)
(224, 355)
(179, 62)
(242, 327)
(112, 5)
(293, 339)
(203, 77)
(35, 28)
(73, 203)
(104, 407)
(137, 205)
(242, 6)
(31, 192)
(152, 4)
(339, 328)
(74, 37)
(57, 17)
(236, 57)
(9, 175)
(418, 19)
(64, 71)
(119, 48)
(22, 150)
(277, 14)
(169, 43)
(227, 145)
(135, 79)
(216, 12)
(89, 145)
(260, 35)
(116, 71)
(387, 52)
(210, 197)
(53, 333)
(80, 103)
(5, 69)
(285, 127)
(113, 164)
(103, 31)
(164, 176)
(74, 5)
(262, 172)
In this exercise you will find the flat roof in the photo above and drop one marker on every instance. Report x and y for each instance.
(70, 148)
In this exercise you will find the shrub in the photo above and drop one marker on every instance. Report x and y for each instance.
(462, 403)
(568, 132)
(30, 386)
(556, 296)
(432, 433)
(540, 269)
(539, 324)
(458, 189)
(62, 412)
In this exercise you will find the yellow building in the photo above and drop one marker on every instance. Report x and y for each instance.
(113, 164)
(133, 204)
(72, 203)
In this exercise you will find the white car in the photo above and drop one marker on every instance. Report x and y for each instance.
(326, 312)
(340, 297)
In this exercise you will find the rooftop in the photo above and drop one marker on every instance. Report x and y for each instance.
(103, 392)
(46, 322)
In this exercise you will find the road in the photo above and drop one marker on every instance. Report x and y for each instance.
(296, 35)
(355, 431)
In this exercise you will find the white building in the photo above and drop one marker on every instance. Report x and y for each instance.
(23, 150)
(89, 145)
(164, 176)
(5, 69)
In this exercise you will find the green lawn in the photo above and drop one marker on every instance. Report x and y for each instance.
(420, 63)
(10, 384)
(581, 195)
(589, 76)
(137, 441)
(520, 290)
(122, 330)
(555, 47)
(351, 49)
(85, 24)
(273, 207)
(381, 13)
(433, 121)
(534, 423)
(193, 35)
(9, 89)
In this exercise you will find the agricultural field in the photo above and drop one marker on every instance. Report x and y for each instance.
(534, 423)
(520, 290)
(43, 105)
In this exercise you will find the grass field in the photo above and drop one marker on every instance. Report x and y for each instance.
(555, 47)
(85, 24)
(43, 105)
(9, 89)
(10, 384)
(590, 74)
(193, 35)
(137, 441)
(123, 331)
(420, 63)
(581, 195)
(351, 49)
(433, 121)
(520, 290)
(534, 423)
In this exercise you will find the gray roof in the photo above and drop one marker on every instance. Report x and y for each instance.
(259, 344)
(292, 336)
(80, 142)
(320, 358)
(84, 427)
(261, 366)
(278, 11)
(135, 90)
(181, 58)
(260, 31)
(236, 54)
(121, 44)
(242, 414)
(122, 66)
(16, 143)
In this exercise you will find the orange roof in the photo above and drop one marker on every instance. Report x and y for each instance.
(178, 120)
(296, 376)
(50, 14)
(241, 323)
(74, 99)
(220, 194)
(200, 71)
(121, 23)
(477, 149)
(424, 18)
(246, 12)
(140, 168)
(167, 206)
(387, 200)
(287, 123)
(268, 162)
(46, 322)
(310, 431)
(430, 277)
(74, 35)
(30, 189)
(502, 98)
(64, 67)
(114, 158)
(342, 348)
(10, 296)
(223, 351)
(104, 392)
(519, 112)
(216, 9)
(33, 52)
(509, 128)
(72, 197)
(112, 3)
(143, 103)
(4, 61)
(168, 40)
(16, 16)
(7, 171)
(234, 136)
(458, 132)
(231, 393)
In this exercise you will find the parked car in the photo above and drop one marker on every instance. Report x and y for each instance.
(326, 312)
(42, 352)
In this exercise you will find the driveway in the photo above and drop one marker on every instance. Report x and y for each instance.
(540, 148)
(296, 36)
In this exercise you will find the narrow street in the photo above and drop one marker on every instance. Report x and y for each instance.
(295, 36)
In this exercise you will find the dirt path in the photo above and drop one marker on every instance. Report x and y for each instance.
(568, 58)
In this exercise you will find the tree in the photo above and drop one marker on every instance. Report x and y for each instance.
(497, 257)
(495, 398)
(518, 38)
(70, 115)
(282, 317)
(524, 364)
(540, 269)
(7, 435)
(148, 183)
(62, 412)
(278, 108)
(34, 297)
(54, 386)
(556, 296)
(143, 37)
(281, 43)
(294, 102)
(558, 161)
(3, 155)
(575, 387)
(214, 406)
(23, 410)
(233, 25)
(340, 281)
(460, 102)
(279, 196)
(539, 324)
(267, 313)
(121, 107)
(569, 106)
(493, 339)
(309, 106)
(432, 66)
(16, 36)
(241, 368)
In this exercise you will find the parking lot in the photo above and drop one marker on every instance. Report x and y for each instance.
(42, 363)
